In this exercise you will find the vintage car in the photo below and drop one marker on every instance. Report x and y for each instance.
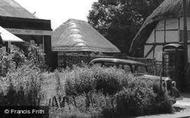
(140, 70)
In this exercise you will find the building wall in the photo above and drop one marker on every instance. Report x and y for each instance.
(167, 31)
(42, 41)
(25, 23)
(188, 51)
(50, 57)
(38, 30)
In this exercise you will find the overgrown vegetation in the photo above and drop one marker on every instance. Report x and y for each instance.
(21, 87)
(21, 77)
(110, 92)
(82, 91)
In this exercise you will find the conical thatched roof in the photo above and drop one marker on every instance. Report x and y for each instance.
(76, 35)
(11, 8)
(167, 9)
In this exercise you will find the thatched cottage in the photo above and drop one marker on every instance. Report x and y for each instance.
(163, 31)
(77, 37)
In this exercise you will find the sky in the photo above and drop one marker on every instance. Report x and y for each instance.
(58, 11)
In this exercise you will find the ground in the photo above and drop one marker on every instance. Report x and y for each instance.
(183, 107)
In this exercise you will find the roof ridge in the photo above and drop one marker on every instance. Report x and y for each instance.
(91, 36)
(12, 8)
(24, 8)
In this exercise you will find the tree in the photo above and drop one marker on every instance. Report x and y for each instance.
(16, 58)
(119, 20)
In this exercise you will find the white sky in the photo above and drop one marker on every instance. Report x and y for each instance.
(58, 11)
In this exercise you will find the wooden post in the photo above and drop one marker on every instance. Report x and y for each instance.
(179, 25)
(185, 37)
(43, 43)
(164, 31)
(154, 44)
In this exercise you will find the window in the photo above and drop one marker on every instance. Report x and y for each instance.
(127, 68)
(108, 64)
(140, 69)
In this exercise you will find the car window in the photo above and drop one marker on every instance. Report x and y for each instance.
(140, 69)
(108, 64)
(127, 68)
(98, 64)
(120, 66)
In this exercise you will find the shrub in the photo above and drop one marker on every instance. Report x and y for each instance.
(83, 80)
(138, 98)
(79, 81)
(96, 90)
(22, 86)
(87, 80)
(127, 95)
(98, 101)
(53, 85)
(109, 80)
(162, 103)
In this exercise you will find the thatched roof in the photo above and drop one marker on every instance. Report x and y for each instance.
(169, 8)
(76, 35)
(11, 8)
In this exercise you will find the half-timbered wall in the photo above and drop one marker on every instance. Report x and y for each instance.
(167, 31)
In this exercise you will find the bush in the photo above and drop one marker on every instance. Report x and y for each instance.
(79, 81)
(83, 80)
(128, 96)
(98, 101)
(109, 80)
(162, 104)
(138, 98)
(22, 86)
(89, 90)
(133, 101)
(21, 81)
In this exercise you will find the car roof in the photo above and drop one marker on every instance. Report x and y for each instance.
(115, 60)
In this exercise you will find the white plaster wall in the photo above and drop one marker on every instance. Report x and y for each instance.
(158, 53)
(172, 36)
(172, 23)
(188, 53)
(146, 49)
(151, 38)
(160, 36)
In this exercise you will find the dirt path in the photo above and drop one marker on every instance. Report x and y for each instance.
(183, 104)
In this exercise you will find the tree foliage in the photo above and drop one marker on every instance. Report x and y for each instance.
(16, 58)
(119, 20)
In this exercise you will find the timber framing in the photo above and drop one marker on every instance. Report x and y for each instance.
(165, 30)
(164, 43)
